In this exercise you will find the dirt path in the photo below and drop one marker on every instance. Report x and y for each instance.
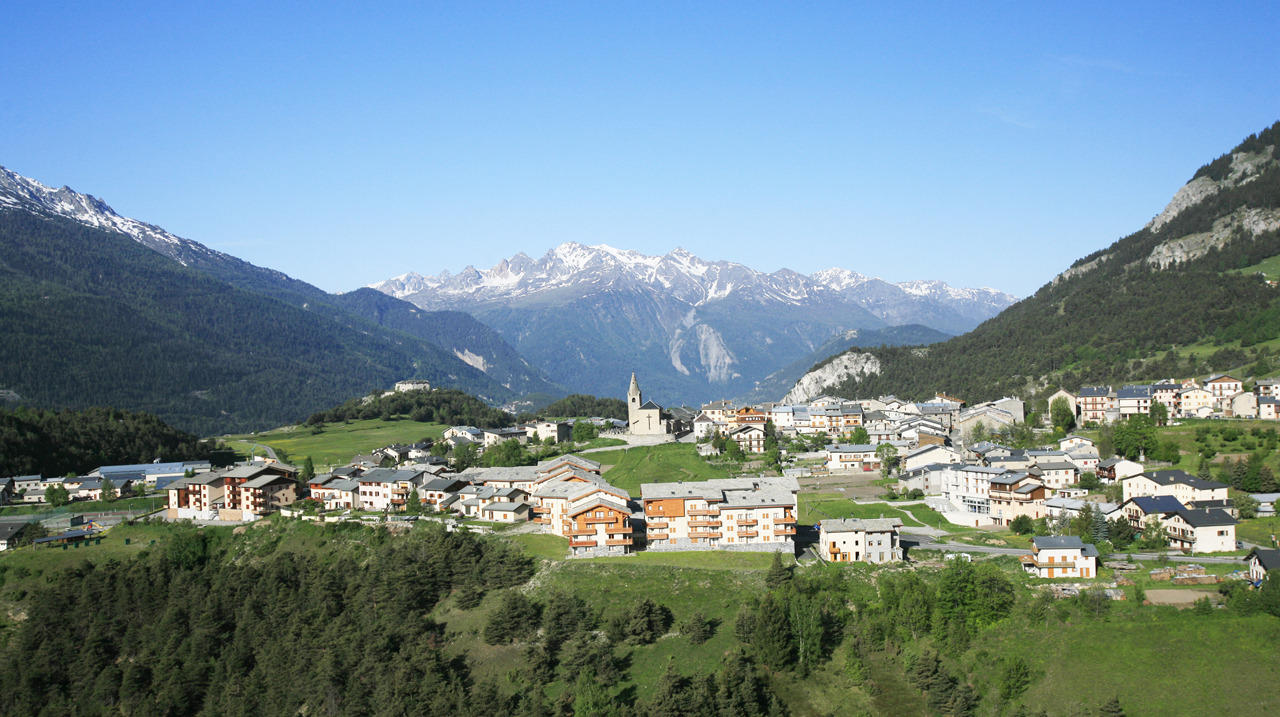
(1178, 598)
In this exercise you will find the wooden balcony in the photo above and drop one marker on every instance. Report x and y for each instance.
(538, 509)
(704, 534)
(786, 519)
(542, 521)
(752, 521)
(704, 511)
(582, 543)
(658, 524)
(748, 533)
(618, 541)
(607, 519)
(704, 524)
(784, 531)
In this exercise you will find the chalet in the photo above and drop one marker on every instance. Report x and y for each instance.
(727, 513)
(1179, 484)
(387, 489)
(1201, 531)
(749, 437)
(265, 494)
(1261, 562)
(866, 540)
(1064, 556)
(599, 525)
(473, 499)
(553, 499)
(1267, 387)
(1117, 468)
(1085, 458)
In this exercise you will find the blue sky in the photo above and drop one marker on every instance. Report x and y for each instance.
(345, 145)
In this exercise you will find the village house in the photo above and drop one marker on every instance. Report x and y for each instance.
(1057, 473)
(1261, 562)
(968, 487)
(853, 457)
(1073, 403)
(1269, 408)
(599, 525)
(1144, 509)
(1071, 442)
(1267, 387)
(1096, 402)
(726, 514)
(10, 533)
(1133, 401)
(1195, 402)
(928, 455)
(387, 489)
(337, 494)
(866, 540)
(436, 490)
(1184, 487)
(749, 437)
(472, 500)
(1201, 531)
(1064, 556)
(505, 512)
(1013, 494)
(1240, 405)
(1221, 385)
(1117, 468)
(491, 437)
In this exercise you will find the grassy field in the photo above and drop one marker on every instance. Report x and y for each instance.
(1156, 660)
(1269, 267)
(820, 506)
(152, 502)
(338, 442)
(1258, 530)
(28, 567)
(665, 463)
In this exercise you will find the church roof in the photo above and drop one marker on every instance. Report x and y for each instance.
(650, 405)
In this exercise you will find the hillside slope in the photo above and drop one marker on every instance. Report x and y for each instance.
(1125, 312)
(92, 317)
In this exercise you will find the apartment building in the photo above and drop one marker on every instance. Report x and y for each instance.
(723, 514)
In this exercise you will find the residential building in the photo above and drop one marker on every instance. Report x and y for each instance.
(387, 489)
(728, 513)
(1221, 385)
(1144, 509)
(749, 437)
(1117, 468)
(10, 533)
(928, 455)
(1013, 494)
(1095, 402)
(853, 457)
(1195, 402)
(599, 524)
(491, 437)
(1201, 531)
(1071, 442)
(1064, 556)
(435, 491)
(1268, 387)
(1269, 408)
(1262, 561)
(505, 512)
(866, 540)
(1133, 401)
(1240, 405)
(1057, 473)
(1184, 487)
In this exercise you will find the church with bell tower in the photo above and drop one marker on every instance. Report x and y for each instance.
(643, 419)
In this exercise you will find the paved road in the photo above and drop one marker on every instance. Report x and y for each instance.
(271, 452)
(926, 542)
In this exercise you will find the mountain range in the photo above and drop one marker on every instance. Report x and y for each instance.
(102, 309)
(693, 329)
(1193, 291)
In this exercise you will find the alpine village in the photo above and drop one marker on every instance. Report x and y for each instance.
(603, 482)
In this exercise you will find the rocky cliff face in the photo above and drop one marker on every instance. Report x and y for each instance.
(854, 364)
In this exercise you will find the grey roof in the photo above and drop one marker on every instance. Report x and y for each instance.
(388, 475)
(1112, 461)
(851, 448)
(1050, 542)
(1056, 466)
(1089, 551)
(1157, 504)
(1171, 477)
(443, 484)
(650, 406)
(1205, 518)
(733, 492)
(8, 530)
(1268, 557)
(1132, 392)
(1095, 391)
(506, 505)
(869, 525)
(343, 484)
(264, 481)
(501, 474)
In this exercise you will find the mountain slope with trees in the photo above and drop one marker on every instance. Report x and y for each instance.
(1126, 312)
(92, 317)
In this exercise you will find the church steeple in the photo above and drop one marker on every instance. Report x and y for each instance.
(635, 386)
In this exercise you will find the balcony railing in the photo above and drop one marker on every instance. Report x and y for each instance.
(752, 521)
(607, 519)
(704, 511)
(786, 519)
(784, 531)
(618, 541)
(704, 524)
(748, 533)
(582, 532)
(582, 543)
(658, 524)
(704, 534)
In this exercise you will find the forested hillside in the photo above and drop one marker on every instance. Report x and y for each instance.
(54, 443)
(445, 406)
(91, 317)
(1128, 311)
(584, 405)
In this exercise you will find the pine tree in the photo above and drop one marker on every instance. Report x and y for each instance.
(1111, 708)
(109, 493)
(778, 574)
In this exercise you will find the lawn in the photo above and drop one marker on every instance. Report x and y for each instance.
(153, 502)
(541, 545)
(1155, 660)
(339, 441)
(1259, 530)
(25, 568)
(820, 506)
(665, 463)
